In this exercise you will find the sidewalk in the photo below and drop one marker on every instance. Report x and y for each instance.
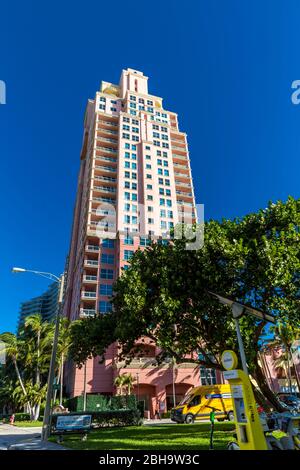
(15, 438)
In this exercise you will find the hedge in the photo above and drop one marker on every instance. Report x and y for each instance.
(102, 403)
(110, 418)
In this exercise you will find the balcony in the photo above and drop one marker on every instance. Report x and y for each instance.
(91, 262)
(183, 193)
(104, 189)
(108, 200)
(108, 169)
(181, 183)
(183, 167)
(106, 159)
(106, 149)
(92, 248)
(108, 123)
(105, 139)
(106, 131)
(87, 312)
(90, 279)
(88, 295)
(180, 202)
(105, 178)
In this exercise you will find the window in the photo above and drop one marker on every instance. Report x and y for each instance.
(127, 155)
(135, 138)
(207, 376)
(128, 254)
(163, 224)
(170, 224)
(167, 182)
(106, 274)
(126, 207)
(162, 202)
(149, 109)
(159, 171)
(134, 219)
(127, 196)
(108, 243)
(126, 127)
(127, 219)
(125, 136)
(133, 156)
(156, 135)
(133, 147)
(134, 197)
(149, 197)
(133, 186)
(141, 100)
(170, 214)
(102, 106)
(128, 240)
(158, 153)
(114, 110)
(168, 192)
(169, 203)
(126, 119)
(148, 166)
(150, 209)
(134, 208)
(149, 186)
(132, 105)
(166, 163)
(107, 258)
(135, 122)
(127, 146)
(164, 115)
(127, 185)
(125, 267)
(164, 129)
(147, 147)
(159, 161)
(132, 112)
(165, 145)
(133, 166)
(126, 164)
(155, 127)
(150, 102)
(135, 129)
(160, 181)
(166, 172)
(126, 174)
(148, 176)
(148, 157)
(102, 99)
(105, 307)
(133, 176)
(106, 289)
(165, 154)
(141, 107)
(150, 221)
(161, 191)
(156, 143)
(144, 241)
(164, 137)
(162, 212)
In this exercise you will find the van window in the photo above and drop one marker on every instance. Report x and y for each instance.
(195, 401)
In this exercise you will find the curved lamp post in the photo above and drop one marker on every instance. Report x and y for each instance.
(51, 374)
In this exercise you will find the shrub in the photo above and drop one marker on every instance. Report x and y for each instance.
(102, 403)
(22, 417)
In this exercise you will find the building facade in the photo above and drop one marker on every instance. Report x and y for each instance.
(45, 305)
(134, 181)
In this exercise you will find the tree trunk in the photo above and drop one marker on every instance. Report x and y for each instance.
(289, 370)
(267, 394)
(36, 412)
(61, 380)
(22, 384)
(38, 378)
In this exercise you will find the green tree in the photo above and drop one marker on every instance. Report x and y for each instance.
(164, 293)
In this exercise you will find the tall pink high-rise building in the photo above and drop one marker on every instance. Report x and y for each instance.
(134, 180)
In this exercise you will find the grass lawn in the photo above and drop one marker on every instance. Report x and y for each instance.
(28, 424)
(162, 437)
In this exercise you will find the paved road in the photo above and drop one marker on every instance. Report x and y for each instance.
(14, 438)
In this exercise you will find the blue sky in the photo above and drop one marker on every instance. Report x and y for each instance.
(225, 67)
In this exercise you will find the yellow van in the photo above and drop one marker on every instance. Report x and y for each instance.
(200, 401)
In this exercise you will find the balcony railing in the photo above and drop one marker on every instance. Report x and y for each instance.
(92, 247)
(107, 131)
(105, 178)
(108, 123)
(109, 169)
(104, 139)
(91, 262)
(106, 189)
(106, 159)
(105, 199)
(88, 278)
(87, 312)
(180, 183)
(106, 149)
(88, 295)
(183, 149)
(184, 193)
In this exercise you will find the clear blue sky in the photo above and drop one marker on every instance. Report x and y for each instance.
(226, 67)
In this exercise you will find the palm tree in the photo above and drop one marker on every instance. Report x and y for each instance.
(64, 344)
(124, 381)
(285, 336)
(13, 346)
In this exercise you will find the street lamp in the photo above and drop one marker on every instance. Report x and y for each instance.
(60, 281)
(238, 310)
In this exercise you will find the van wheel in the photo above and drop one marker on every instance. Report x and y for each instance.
(230, 416)
(189, 419)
